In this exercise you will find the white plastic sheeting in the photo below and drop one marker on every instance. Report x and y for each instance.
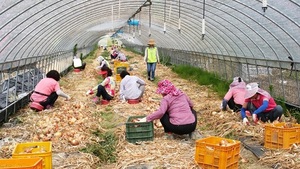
(238, 28)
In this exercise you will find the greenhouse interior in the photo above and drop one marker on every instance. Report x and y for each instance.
(200, 48)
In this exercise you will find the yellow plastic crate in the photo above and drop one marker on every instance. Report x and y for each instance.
(118, 78)
(217, 153)
(116, 62)
(23, 163)
(118, 68)
(35, 149)
(281, 135)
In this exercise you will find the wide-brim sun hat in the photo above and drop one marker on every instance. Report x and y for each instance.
(251, 90)
(151, 42)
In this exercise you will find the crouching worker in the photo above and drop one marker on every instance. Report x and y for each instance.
(47, 90)
(78, 64)
(121, 57)
(106, 88)
(176, 112)
(114, 53)
(102, 63)
(234, 98)
(260, 104)
(131, 87)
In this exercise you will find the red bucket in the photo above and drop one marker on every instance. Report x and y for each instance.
(104, 102)
(36, 106)
(76, 70)
(133, 101)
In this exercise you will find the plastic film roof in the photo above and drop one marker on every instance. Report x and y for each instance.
(241, 28)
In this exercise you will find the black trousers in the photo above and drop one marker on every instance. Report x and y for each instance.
(102, 92)
(178, 129)
(50, 100)
(233, 106)
(266, 116)
(113, 56)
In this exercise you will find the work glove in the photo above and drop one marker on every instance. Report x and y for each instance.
(245, 121)
(89, 92)
(254, 117)
(222, 108)
(141, 120)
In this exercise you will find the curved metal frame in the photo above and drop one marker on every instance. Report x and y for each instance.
(214, 42)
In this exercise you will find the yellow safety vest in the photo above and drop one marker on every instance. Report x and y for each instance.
(151, 55)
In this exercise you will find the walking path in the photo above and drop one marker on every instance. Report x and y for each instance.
(70, 123)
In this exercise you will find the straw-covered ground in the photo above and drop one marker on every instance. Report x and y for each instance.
(69, 126)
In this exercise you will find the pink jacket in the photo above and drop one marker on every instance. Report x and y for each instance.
(237, 91)
(45, 86)
(178, 107)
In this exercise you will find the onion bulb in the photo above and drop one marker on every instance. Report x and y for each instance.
(46, 138)
(223, 143)
(58, 134)
(35, 138)
(74, 142)
(41, 136)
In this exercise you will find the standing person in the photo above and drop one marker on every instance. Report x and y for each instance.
(151, 58)
(78, 64)
(106, 88)
(131, 87)
(234, 97)
(260, 104)
(47, 90)
(176, 111)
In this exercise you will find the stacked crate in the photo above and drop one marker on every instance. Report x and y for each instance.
(22, 163)
(35, 150)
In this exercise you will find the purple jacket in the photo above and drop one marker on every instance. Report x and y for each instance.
(178, 107)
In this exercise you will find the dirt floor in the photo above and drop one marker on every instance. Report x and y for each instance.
(69, 124)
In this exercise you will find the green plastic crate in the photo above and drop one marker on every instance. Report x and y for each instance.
(136, 132)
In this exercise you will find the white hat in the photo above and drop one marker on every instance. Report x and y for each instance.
(251, 90)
